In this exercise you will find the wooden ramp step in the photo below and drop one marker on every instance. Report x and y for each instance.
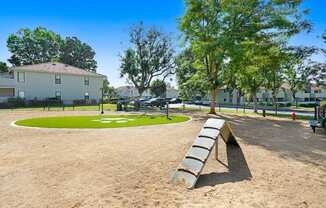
(194, 161)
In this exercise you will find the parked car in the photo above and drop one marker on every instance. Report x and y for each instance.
(143, 101)
(205, 102)
(198, 102)
(175, 101)
(155, 102)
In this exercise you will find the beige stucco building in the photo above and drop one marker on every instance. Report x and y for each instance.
(312, 94)
(50, 80)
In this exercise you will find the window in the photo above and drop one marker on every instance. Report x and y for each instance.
(86, 81)
(57, 79)
(7, 92)
(86, 96)
(21, 94)
(21, 76)
(58, 95)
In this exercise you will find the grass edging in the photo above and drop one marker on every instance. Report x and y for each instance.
(99, 122)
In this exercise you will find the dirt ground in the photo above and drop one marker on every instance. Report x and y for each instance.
(280, 163)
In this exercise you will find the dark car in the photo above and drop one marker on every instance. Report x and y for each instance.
(175, 101)
(155, 102)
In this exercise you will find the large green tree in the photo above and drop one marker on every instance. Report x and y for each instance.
(42, 45)
(3, 67)
(298, 68)
(150, 56)
(158, 88)
(191, 80)
(216, 29)
(274, 71)
(250, 76)
(317, 72)
(34, 46)
(79, 54)
(109, 91)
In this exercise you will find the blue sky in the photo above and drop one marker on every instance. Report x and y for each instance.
(104, 24)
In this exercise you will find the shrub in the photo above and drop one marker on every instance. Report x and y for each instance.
(16, 102)
(36, 103)
(307, 105)
(85, 102)
(284, 104)
(53, 101)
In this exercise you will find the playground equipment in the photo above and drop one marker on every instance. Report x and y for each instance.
(193, 163)
(320, 117)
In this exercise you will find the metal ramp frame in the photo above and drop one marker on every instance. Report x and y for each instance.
(195, 159)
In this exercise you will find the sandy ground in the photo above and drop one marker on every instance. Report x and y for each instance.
(280, 163)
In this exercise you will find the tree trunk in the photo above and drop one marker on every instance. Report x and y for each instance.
(274, 102)
(213, 101)
(140, 93)
(231, 97)
(238, 98)
(295, 99)
(254, 97)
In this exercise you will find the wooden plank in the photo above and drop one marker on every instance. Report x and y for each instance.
(198, 153)
(204, 142)
(214, 123)
(191, 165)
(184, 178)
(211, 133)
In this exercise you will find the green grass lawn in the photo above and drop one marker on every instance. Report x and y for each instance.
(111, 121)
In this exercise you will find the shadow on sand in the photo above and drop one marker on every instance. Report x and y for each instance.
(290, 139)
(237, 165)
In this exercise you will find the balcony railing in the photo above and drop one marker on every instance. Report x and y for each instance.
(7, 80)
(6, 76)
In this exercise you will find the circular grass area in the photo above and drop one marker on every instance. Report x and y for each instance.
(93, 122)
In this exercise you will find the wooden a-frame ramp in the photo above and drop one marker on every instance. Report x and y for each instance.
(193, 163)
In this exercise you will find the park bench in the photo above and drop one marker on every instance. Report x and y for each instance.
(194, 161)
(317, 123)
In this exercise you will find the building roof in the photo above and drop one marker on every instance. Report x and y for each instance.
(56, 68)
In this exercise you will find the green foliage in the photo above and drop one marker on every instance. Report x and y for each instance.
(3, 67)
(158, 88)
(307, 105)
(192, 82)
(298, 67)
(79, 54)
(318, 70)
(150, 56)
(34, 46)
(109, 91)
(274, 70)
(219, 31)
(41, 45)
(16, 102)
